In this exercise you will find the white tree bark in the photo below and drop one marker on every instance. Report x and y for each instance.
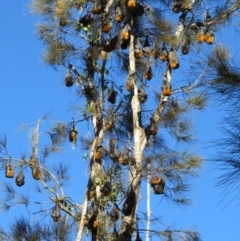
(148, 224)
(139, 137)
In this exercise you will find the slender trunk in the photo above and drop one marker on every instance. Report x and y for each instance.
(85, 202)
(95, 168)
(148, 204)
(82, 221)
(139, 137)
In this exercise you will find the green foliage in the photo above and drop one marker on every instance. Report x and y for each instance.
(26, 230)
(198, 101)
(57, 53)
(169, 235)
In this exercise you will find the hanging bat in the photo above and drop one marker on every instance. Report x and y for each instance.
(20, 179)
(112, 94)
(138, 49)
(56, 213)
(142, 95)
(68, 79)
(97, 8)
(146, 48)
(164, 53)
(129, 203)
(118, 14)
(176, 6)
(114, 214)
(148, 71)
(124, 156)
(36, 173)
(173, 59)
(139, 10)
(73, 134)
(158, 185)
(185, 47)
(9, 170)
(207, 16)
(106, 189)
(155, 51)
(114, 43)
(86, 20)
(152, 128)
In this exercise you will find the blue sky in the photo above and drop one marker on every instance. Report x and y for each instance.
(29, 89)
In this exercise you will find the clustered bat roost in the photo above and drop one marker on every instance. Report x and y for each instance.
(122, 38)
(118, 35)
(114, 32)
(20, 178)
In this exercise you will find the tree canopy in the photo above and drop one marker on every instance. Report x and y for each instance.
(139, 69)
